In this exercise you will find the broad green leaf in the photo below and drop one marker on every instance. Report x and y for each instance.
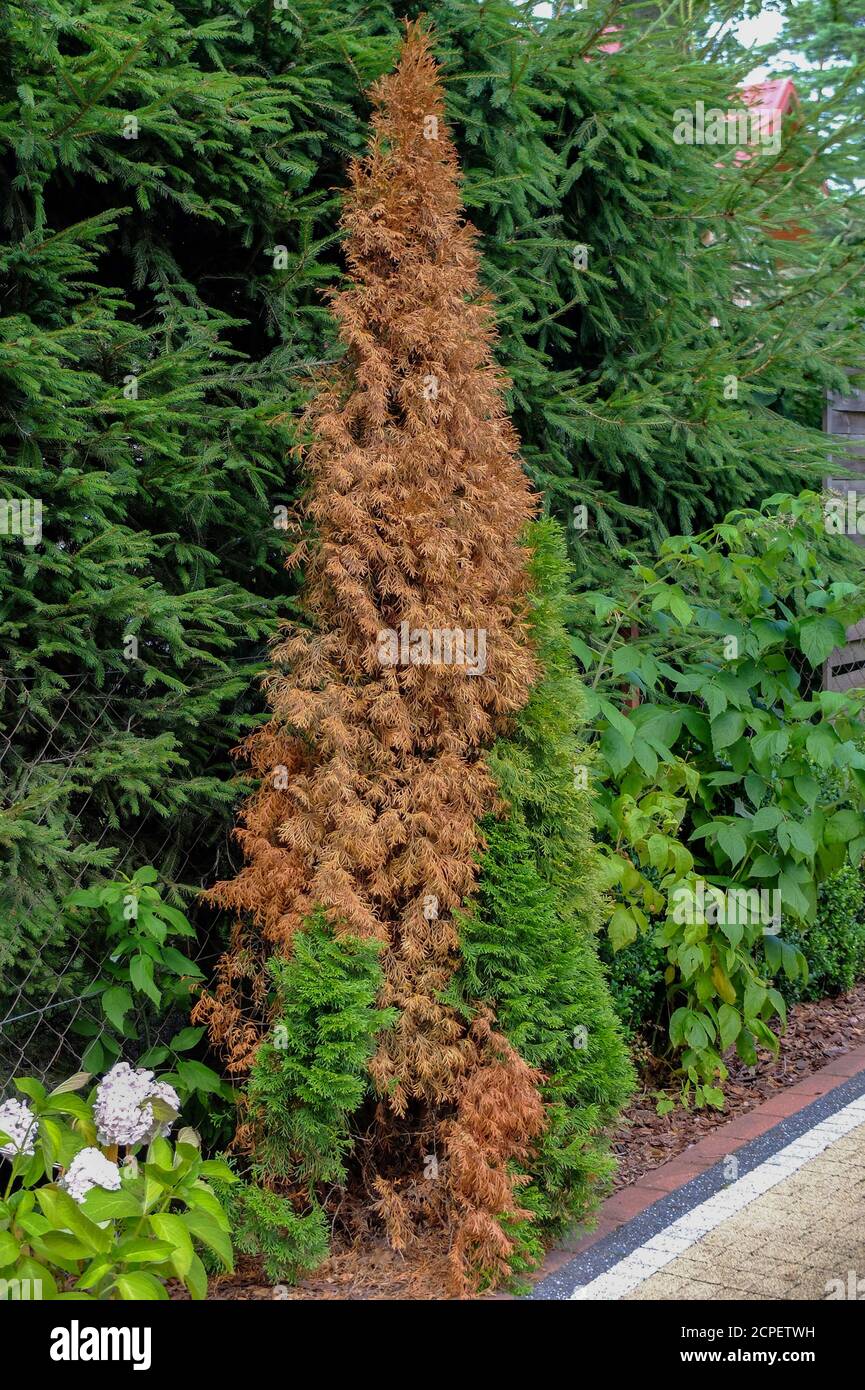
(681, 609)
(197, 1077)
(141, 975)
(65, 1214)
(801, 838)
(728, 728)
(843, 826)
(146, 874)
(755, 788)
(646, 756)
(29, 1086)
(137, 1285)
(792, 895)
(696, 1032)
(729, 1024)
(182, 926)
(821, 744)
(769, 746)
(808, 788)
(617, 720)
(755, 998)
(200, 1195)
(690, 960)
(186, 1038)
(143, 1250)
(778, 1004)
(616, 750)
(732, 842)
(203, 1226)
(175, 960)
(716, 701)
(624, 661)
(582, 652)
(31, 1269)
(764, 866)
(9, 1248)
(218, 1168)
(116, 1003)
(101, 1205)
(818, 637)
(94, 1057)
(60, 1245)
(196, 1279)
(622, 928)
(171, 1230)
(722, 984)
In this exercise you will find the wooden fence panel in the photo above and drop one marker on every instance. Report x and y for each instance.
(845, 415)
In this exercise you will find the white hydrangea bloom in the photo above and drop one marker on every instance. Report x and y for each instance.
(122, 1111)
(90, 1168)
(18, 1121)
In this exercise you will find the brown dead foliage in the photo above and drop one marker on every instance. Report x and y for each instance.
(373, 776)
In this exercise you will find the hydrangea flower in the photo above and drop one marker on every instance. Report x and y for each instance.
(18, 1121)
(90, 1168)
(122, 1110)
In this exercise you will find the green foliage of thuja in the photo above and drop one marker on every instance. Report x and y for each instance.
(310, 1074)
(528, 941)
(307, 1082)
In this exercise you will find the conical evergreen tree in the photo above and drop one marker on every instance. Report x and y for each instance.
(149, 440)
(376, 772)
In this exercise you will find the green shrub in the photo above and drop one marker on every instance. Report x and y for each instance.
(834, 943)
(289, 1243)
(733, 781)
(529, 943)
(145, 983)
(310, 1073)
(74, 1224)
(541, 970)
(635, 976)
(308, 1078)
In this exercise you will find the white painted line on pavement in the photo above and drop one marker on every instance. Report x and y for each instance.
(667, 1245)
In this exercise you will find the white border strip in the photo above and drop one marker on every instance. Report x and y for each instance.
(625, 1276)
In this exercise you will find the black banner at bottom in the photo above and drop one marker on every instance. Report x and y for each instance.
(230, 1338)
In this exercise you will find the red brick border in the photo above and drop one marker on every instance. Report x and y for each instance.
(691, 1162)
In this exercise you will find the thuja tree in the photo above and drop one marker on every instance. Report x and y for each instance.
(420, 678)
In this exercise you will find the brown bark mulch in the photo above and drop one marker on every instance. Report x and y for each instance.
(817, 1033)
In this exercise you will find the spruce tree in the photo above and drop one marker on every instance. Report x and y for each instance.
(378, 766)
(627, 268)
(144, 400)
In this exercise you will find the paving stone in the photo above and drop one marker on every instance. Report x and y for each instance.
(787, 1243)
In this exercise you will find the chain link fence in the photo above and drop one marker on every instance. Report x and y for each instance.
(53, 976)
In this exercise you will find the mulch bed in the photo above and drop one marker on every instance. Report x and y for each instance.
(644, 1140)
(817, 1033)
